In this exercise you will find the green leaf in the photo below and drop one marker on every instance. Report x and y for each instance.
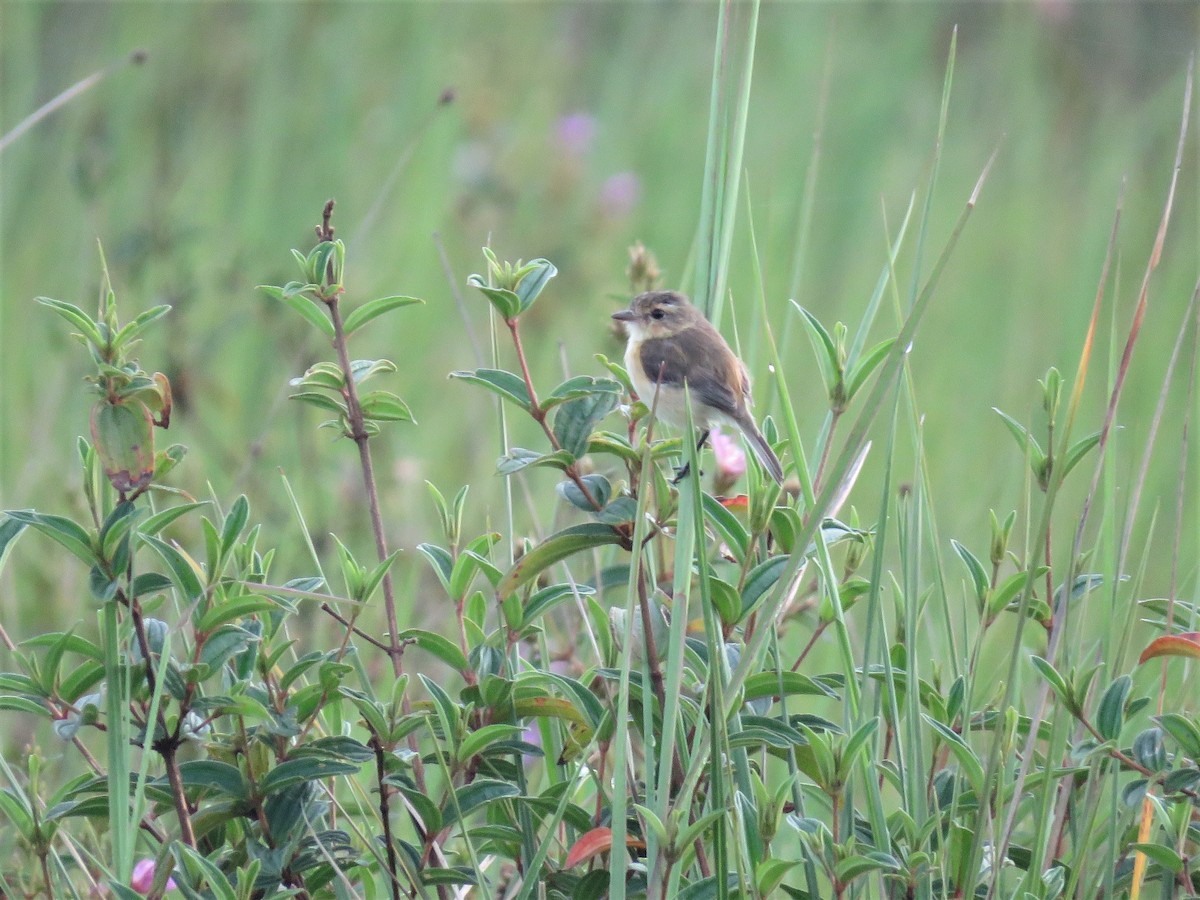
(823, 345)
(528, 289)
(297, 771)
(855, 866)
(598, 487)
(581, 386)
(1164, 856)
(1057, 683)
(17, 811)
(443, 562)
(769, 684)
(384, 406)
(161, 520)
(1185, 732)
(373, 309)
(448, 713)
(234, 522)
(441, 647)
(857, 743)
(1025, 440)
(1081, 586)
(76, 317)
(975, 569)
(868, 364)
(10, 530)
(577, 419)
(732, 530)
(479, 793)
(549, 597)
(1078, 451)
(506, 303)
(213, 775)
(692, 833)
(218, 884)
(1008, 590)
(554, 549)
(311, 310)
(1110, 715)
(519, 458)
(506, 384)
(479, 740)
(23, 704)
(60, 529)
(620, 511)
(225, 642)
(962, 751)
(222, 612)
(139, 324)
(370, 710)
(321, 401)
(435, 876)
(770, 874)
(760, 580)
(363, 369)
(68, 642)
(324, 375)
(471, 561)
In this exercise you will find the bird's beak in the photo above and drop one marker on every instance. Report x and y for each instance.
(625, 315)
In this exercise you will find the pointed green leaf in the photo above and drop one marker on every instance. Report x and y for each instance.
(966, 757)
(542, 270)
(506, 384)
(598, 490)
(77, 317)
(60, 529)
(312, 310)
(581, 386)
(975, 569)
(1025, 440)
(139, 324)
(868, 364)
(506, 303)
(554, 549)
(298, 771)
(577, 419)
(823, 345)
(384, 406)
(1110, 715)
(437, 645)
(373, 309)
(519, 458)
(321, 401)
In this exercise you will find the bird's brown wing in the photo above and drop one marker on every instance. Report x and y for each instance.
(714, 375)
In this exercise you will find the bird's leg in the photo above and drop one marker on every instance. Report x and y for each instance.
(682, 472)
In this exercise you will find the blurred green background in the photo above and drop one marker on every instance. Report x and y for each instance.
(575, 129)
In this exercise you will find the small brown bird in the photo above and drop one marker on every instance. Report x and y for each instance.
(670, 342)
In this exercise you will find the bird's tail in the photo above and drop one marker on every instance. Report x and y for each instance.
(763, 451)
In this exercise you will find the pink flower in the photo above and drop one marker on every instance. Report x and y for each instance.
(575, 133)
(619, 194)
(143, 877)
(731, 460)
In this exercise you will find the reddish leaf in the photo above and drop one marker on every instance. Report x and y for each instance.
(1186, 644)
(596, 841)
(738, 503)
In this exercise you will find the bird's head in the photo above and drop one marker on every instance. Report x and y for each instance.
(658, 314)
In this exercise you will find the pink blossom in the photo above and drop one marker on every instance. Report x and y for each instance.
(575, 133)
(619, 194)
(143, 877)
(731, 458)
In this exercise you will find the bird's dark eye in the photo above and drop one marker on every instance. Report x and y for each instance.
(657, 314)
